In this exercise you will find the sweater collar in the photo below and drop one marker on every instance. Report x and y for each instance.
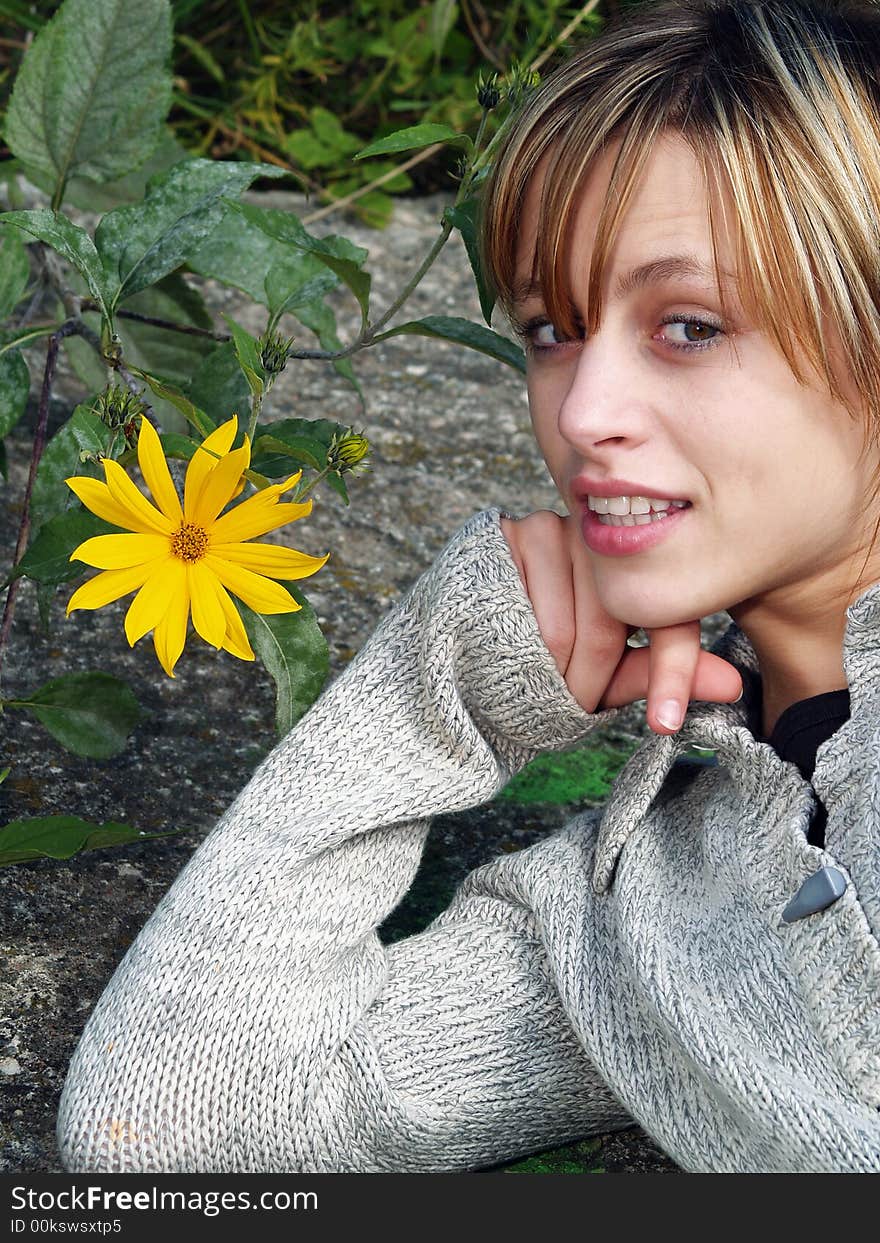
(725, 729)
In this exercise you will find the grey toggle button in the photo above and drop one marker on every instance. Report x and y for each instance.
(815, 894)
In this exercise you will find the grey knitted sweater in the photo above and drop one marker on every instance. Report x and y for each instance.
(632, 967)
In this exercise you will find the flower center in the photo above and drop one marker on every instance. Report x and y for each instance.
(190, 543)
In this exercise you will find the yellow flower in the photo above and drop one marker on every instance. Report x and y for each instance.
(191, 556)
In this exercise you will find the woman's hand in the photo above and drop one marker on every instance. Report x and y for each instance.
(590, 647)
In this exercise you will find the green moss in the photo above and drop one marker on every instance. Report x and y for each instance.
(579, 1158)
(567, 776)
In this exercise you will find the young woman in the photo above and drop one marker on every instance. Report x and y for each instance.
(683, 224)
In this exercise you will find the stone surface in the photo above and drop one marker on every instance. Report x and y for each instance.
(450, 435)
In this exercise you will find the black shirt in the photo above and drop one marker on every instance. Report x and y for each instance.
(799, 733)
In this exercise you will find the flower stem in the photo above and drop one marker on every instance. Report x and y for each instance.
(299, 495)
(256, 404)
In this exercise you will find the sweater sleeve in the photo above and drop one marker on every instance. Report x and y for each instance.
(257, 1023)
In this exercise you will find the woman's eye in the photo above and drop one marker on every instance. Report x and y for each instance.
(541, 336)
(684, 332)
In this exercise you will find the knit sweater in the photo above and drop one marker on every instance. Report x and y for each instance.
(633, 967)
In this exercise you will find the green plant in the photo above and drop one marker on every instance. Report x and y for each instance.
(87, 114)
(307, 85)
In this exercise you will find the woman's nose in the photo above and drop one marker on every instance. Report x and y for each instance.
(604, 398)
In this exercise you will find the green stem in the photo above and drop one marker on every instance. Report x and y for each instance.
(298, 495)
(256, 404)
(410, 285)
(248, 23)
(58, 196)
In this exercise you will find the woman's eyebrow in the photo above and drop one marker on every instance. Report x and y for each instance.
(668, 267)
(654, 272)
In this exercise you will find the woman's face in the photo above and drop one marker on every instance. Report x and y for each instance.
(776, 523)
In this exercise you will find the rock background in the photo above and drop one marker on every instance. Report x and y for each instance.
(450, 435)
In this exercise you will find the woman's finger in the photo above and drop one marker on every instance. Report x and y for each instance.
(673, 655)
(599, 639)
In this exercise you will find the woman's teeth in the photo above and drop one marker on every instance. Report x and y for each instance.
(624, 511)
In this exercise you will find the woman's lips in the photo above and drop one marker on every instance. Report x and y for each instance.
(625, 541)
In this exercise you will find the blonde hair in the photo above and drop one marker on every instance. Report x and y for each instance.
(780, 102)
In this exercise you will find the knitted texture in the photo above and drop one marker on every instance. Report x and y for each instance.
(631, 967)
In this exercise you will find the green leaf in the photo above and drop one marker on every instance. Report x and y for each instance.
(83, 432)
(337, 254)
(15, 384)
(174, 355)
(47, 560)
(16, 338)
(71, 242)
(443, 14)
(97, 196)
(91, 714)
(464, 217)
(324, 144)
(287, 288)
(203, 56)
(219, 386)
(61, 837)
(45, 595)
(159, 351)
(199, 419)
(295, 653)
(304, 440)
(240, 253)
(93, 90)
(414, 138)
(142, 243)
(463, 332)
(247, 351)
(14, 270)
(293, 448)
(87, 363)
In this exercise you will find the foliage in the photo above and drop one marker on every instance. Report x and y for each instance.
(308, 85)
(86, 117)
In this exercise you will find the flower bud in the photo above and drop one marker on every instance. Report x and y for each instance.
(520, 82)
(118, 407)
(273, 353)
(488, 94)
(348, 452)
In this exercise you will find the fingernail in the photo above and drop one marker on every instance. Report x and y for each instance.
(739, 696)
(670, 714)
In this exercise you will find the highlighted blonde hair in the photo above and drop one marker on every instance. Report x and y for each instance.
(780, 102)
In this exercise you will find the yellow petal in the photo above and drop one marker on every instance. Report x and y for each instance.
(260, 594)
(165, 585)
(156, 474)
(202, 463)
(291, 480)
(107, 587)
(127, 495)
(268, 559)
(96, 496)
(255, 517)
(208, 617)
(170, 634)
(115, 552)
(219, 486)
(236, 641)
